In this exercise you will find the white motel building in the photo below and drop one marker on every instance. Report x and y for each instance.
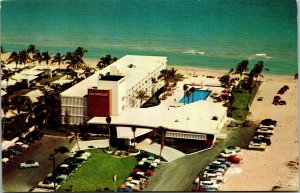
(111, 92)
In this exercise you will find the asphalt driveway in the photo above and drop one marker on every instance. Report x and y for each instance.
(22, 180)
(179, 174)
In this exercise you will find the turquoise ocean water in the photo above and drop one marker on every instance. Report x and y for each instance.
(196, 33)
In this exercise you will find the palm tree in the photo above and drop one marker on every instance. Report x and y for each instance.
(225, 80)
(142, 95)
(46, 57)
(159, 134)
(108, 121)
(6, 75)
(5, 106)
(231, 101)
(188, 94)
(80, 52)
(241, 68)
(58, 58)
(31, 49)
(2, 50)
(24, 57)
(192, 90)
(133, 129)
(185, 87)
(106, 61)
(14, 57)
(258, 69)
(38, 57)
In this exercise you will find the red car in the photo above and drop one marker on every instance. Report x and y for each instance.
(234, 159)
(197, 189)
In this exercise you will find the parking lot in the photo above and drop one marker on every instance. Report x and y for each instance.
(22, 180)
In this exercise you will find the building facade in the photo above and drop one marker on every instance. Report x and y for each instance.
(113, 89)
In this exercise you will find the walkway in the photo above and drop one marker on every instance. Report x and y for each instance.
(168, 153)
(95, 143)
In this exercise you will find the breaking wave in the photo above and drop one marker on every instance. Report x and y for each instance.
(193, 52)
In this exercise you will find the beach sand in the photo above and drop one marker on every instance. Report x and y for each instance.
(261, 170)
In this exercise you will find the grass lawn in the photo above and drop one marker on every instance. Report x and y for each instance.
(97, 172)
(241, 97)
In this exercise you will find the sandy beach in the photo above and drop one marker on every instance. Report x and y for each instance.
(261, 170)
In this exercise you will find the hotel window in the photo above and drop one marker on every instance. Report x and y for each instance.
(123, 107)
(123, 98)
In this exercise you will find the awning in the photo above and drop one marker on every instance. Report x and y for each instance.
(126, 132)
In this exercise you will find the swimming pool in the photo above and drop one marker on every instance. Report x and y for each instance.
(198, 95)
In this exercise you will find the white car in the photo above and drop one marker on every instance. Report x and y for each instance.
(227, 153)
(233, 148)
(267, 126)
(264, 130)
(46, 184)
(212, 172)
(29, 164)
(157, 161)
(214, 177)
(82, 158)
(258, 146)
(154, 164)
(219, 164)
(5, 160)
(210, 184)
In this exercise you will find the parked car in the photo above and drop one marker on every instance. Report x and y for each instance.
(247, 123)
(219, 164)
(14, 151)
(56, 176)
(213, 167)
(233, 148)
(213, 172)
(224, 161)
(29, 164)
(269, 122)
(7, 154)
(258, 146)
(214, 177)
(234, 159)
(46, 184)
(81, 153)
(5, 160)
(227, 153)
(157, 161)
(261, 138)
(209, 184)
(264, 130)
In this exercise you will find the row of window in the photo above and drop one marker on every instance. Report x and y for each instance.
(186, 135)
(72, 101)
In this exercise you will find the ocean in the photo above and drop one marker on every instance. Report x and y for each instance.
(194, 33)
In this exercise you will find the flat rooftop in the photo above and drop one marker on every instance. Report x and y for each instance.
(133, 67)
(195, 117)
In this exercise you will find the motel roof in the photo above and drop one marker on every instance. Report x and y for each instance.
(133, 67)
(195, 117)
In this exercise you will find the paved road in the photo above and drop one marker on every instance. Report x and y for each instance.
(22, 180)
(179, 174)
